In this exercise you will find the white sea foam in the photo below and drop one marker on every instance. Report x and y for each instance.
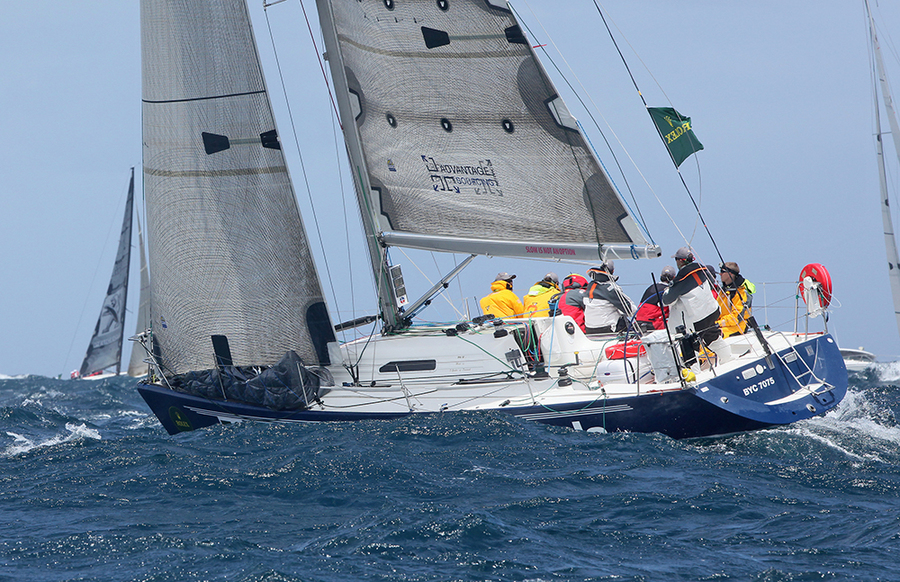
(22, 444)
(888, 371)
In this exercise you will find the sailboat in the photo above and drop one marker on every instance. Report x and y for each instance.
(860, 359)
(104, 353)
(241, 330)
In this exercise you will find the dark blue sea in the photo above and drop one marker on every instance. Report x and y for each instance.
(94, 489)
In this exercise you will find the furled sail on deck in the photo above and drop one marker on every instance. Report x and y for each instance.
(464, 143)
(227, 248)
(105, 349)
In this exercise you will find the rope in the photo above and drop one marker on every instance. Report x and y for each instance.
(644, 101)
(300, 155)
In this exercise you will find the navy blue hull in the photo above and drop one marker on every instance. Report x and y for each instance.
(758, 395)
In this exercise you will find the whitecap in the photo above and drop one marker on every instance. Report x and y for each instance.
(22, 444)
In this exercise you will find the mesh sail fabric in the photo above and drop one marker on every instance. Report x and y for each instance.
(227, 249)
(463, 132)
(105, 349)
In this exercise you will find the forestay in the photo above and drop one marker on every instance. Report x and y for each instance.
(229, 252)
(463, 142)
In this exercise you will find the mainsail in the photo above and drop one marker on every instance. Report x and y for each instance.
(229, 252)
(460, 142)
(105, 349)
(889, 240)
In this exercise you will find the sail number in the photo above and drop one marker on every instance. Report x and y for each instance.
(759, 386)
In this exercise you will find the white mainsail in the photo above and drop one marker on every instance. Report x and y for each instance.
(890, 242)
(227, 246)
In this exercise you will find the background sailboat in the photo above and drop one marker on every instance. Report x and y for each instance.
(104, 352)
(860, 359)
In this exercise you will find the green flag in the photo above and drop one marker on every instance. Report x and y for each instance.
(676, 131)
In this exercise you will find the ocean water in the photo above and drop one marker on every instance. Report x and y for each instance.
(92, 488)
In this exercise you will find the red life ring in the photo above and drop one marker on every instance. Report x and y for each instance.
(818, 274)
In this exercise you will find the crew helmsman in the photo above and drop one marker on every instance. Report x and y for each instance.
(692, 303)
(502, 302)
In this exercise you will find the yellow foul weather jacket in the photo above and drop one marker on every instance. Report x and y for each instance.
(537, 301)
(502, 302)
(735, 307)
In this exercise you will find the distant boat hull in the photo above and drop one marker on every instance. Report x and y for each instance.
(857, 360)
(752, 395)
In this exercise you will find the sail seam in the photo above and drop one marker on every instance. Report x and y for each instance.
(209, 98)
(214, 173)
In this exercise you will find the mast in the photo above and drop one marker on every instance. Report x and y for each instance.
(889, 239)
(367, 206)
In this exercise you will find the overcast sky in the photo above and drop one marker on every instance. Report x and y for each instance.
(779, 93)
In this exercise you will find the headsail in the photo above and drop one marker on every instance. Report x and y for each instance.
(105, 349)
(890, 242)
(459, 140)
(228, 250)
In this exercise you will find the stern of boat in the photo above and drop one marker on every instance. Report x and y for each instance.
(804, 380)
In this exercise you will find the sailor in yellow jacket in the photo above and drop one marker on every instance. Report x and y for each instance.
(502, 302)
(537, 300)
(734, 300)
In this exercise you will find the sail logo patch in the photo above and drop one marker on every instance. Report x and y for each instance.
(480, 178)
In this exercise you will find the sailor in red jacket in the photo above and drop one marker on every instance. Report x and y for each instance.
(649, 315)
(571, 300)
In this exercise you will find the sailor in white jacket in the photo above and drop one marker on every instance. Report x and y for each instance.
(693, 304)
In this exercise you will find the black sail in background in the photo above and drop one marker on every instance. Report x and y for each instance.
(227, 249)
(105, 349)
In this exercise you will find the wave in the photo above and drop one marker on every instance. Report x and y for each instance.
(22, 444)
(887, 371)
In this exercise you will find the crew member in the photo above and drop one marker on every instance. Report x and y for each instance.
(537, 300)
(502, 302)
(693, 305)
(734, 301)
(650, 314)
(606, 307)
(571, 301)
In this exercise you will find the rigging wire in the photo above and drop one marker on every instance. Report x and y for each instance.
(587, 110)
(300, 155)
(644, 101)
(430, 282)
(612, 131)
(335, 123)
(312, 37)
